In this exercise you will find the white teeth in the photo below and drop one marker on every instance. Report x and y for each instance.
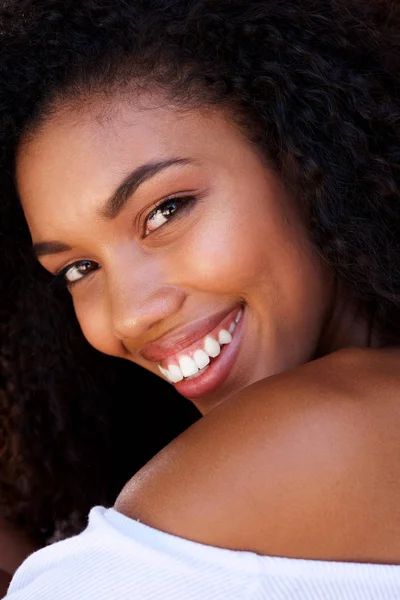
(175, 374)
(224, 337)
(165, 372)
(201, 359)
(239, 316)
(211, 346)
(188, 366)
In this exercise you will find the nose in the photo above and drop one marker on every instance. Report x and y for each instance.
(140, 299)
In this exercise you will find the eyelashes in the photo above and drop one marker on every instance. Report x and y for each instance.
(73, 273)
(164, 212)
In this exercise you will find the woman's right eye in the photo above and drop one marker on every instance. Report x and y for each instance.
(77, 271)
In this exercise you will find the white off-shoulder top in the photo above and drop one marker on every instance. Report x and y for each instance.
(117, 558)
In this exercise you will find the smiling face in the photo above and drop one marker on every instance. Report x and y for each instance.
(182, 250)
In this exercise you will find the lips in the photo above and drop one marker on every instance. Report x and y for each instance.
(193, 360)
(185, 337)
(217, 372)
(200, 366)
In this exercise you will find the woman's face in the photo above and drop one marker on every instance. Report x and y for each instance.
(182, 251)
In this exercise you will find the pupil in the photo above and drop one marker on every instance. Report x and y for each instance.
(85, 265)
(169, 208)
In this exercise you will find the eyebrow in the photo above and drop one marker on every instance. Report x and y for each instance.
(114, 205)
(133, 181)
(43, 248)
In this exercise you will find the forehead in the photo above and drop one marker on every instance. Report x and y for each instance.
(100, 131)
(102, 127)
(81, 152)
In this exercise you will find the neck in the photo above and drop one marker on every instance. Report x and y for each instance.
(349, 324)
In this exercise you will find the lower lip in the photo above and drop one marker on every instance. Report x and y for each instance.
(218, 371)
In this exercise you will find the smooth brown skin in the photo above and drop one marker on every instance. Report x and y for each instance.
(291, 459)
(241, 242)
(303, 465)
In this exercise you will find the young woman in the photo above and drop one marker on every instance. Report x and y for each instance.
(217, 186)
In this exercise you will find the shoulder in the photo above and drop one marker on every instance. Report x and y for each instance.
(304, 464)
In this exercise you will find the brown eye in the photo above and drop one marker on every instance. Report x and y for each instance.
(165, 211)
(78, 270)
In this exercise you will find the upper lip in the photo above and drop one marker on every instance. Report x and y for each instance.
(182, 337)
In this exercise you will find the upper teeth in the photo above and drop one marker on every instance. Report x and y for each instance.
(224, 337)
(201, 358)
(211, 346)
(188, 366)
(191, 365)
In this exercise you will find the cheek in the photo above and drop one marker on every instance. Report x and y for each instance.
(96, 327)
(222, 256)
(259, 256)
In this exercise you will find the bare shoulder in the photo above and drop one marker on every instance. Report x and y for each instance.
(305, 464)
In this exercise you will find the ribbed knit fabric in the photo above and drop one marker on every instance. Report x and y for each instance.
(117, 558)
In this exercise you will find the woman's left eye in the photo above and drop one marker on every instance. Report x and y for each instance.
(73, 273)
(165, 212)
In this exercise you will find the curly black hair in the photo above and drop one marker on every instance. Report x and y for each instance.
(314, 84)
